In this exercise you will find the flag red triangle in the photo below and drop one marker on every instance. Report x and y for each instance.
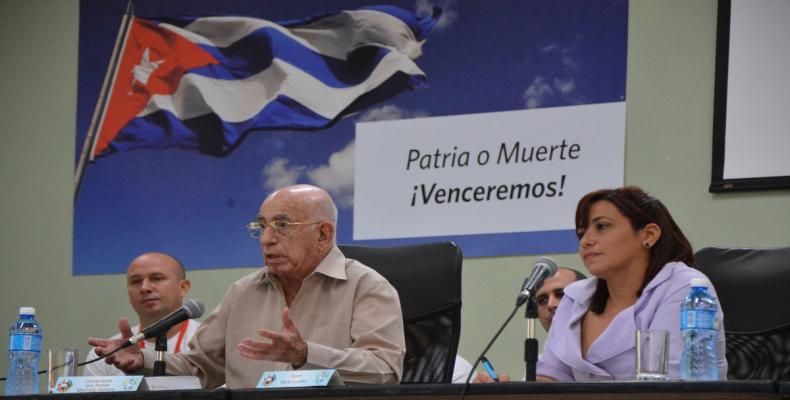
(153, 61)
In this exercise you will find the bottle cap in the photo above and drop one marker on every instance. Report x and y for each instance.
(699, 282)
(27, 311)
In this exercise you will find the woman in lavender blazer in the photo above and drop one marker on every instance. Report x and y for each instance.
(639, 259)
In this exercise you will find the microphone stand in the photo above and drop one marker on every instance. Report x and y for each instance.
(161, 349)
(531, 342)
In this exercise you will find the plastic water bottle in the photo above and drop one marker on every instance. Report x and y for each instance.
(699, 328)
(24, 350)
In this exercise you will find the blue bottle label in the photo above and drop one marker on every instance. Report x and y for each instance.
(25, 343)
(699, 319)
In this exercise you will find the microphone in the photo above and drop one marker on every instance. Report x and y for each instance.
(191, 309)
(544, 267)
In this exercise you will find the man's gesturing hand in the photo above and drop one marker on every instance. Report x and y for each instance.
(284, 346)
(128, 360)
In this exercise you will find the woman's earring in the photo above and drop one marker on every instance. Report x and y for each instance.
(646, 244)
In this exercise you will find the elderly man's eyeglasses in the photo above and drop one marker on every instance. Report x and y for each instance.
(282, 227)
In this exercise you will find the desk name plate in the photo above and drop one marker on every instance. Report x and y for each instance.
(299, 378)
(86, 384)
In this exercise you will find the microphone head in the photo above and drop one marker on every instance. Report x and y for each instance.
(549, 263)
(543, 268)
(194, 308)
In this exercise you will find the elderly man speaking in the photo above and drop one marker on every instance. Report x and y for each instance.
(309, 307)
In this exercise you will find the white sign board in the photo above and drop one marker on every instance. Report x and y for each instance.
(514, 171)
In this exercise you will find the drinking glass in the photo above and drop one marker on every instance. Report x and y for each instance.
(652, 355)
(61, 362)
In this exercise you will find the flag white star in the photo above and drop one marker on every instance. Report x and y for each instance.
(142, 71)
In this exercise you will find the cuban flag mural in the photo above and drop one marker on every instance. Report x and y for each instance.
(390, 106)
(202, 83)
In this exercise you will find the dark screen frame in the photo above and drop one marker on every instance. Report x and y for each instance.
(718, 183)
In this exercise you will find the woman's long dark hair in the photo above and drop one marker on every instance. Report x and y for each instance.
(641, 209)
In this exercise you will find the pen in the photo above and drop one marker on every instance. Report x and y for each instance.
(489, 369)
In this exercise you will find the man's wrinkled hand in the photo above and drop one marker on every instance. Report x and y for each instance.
(284, 346)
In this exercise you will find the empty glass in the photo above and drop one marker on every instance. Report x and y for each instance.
(61, 362)
(652, 355)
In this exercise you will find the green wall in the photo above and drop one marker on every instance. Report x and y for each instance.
(668, 152)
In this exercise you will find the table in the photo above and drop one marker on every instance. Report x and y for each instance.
(501, 391)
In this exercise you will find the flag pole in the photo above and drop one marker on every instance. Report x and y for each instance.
(90, 137)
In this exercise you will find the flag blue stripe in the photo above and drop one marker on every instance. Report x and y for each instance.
(420, 26)
(269, 43)
(209, 134)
